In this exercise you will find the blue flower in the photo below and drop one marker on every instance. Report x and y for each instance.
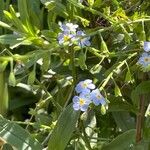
(82, 42)
(84, 86)
(68, 27)
(64, 37)
(144, 60)
(146, 46)
(97, 98)
(81, 102)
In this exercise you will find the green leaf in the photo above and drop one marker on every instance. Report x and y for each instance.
(104, 47)
(56, 7)
(17, 136)
(142, 88)
(82, 59)
(96, 69)
(123, 120)
(22, 7)
(7, 147)
(35, 13)
(31, 77)
(64, 129)
(9, 39)
(122, 142)
(117, 91)
(97, 3)
(46, 61)
(14, 40)
(117, 104)
(4, 25)
(29, 62)
(90, 2)
(16, 21)
(128, 77)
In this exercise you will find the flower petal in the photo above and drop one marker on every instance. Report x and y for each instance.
(84, 107)
(75, 99)
(96, 102)
(91, 86)
(76, 106)
(88, 81)
(147, 46)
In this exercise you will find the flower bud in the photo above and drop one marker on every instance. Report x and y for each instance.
(12, 79)
(103, 110)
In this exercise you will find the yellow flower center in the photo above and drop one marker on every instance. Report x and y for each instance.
(84, 85)
(98, 96)
(147, 59)
(81, 101)
(66, 38)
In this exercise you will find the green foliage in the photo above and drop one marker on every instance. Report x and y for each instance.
(38, 75)
(64, 129)
(124, 141)
(17, 136)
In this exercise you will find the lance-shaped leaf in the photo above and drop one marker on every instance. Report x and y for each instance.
(17, 136)
(122, 142)
(64, 129)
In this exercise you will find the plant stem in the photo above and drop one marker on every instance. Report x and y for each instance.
(86, 139)
(140, 118)
(140, 115)
(3, 95)
(73, 66)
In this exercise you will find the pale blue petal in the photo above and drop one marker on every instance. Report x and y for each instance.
(96, 102)
(87, 43)
(78, 87)
(80, 33)
(103, 101)
(147, 46)
(88, 81)
(76, 106)
(85, 93)
(75, 99)
(84, 107)
(91, 86)
(144, 55)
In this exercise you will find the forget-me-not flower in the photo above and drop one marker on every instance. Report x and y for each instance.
(84, 86)
(67, 34)
(144, 60)
(68, 27)
(147, 46)
(81, 102)
(63, 37)
(87, 94)
(72, 35)
(97, 98)
(82, 42)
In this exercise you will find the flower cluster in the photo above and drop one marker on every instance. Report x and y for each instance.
(144, 60)
(87, 94)
(70, 34)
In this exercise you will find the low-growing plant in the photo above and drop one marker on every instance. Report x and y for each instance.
(74, 74)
